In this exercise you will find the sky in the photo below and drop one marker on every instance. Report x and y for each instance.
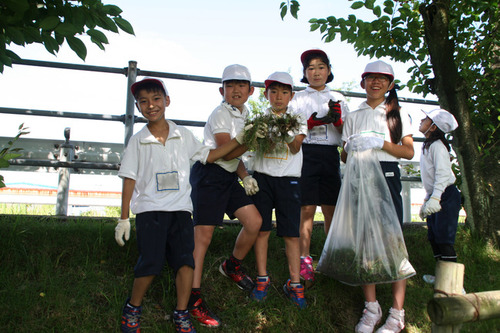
(183, 37)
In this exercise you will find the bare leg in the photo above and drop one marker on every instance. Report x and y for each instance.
(202, 239)
(183, 282)
(141, 285)
(306, 227)
(370, 292)
(398, 294)
(293, 256)
(328, 211)
(251, 221)
(261, 246)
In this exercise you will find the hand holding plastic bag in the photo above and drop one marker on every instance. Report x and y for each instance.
(358, 142)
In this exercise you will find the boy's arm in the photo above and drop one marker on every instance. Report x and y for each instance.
(127, 190)
(296, 143)
(236, 151)
(224, 149)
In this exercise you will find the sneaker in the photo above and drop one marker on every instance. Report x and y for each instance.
(131, 318)
(370, 318)
(237, 274)
(306, 269)
(295, 294)
(201, 313)
(259, 292)
(182, 322)
(395, 322)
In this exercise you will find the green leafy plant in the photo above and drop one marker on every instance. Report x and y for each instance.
(8, 152)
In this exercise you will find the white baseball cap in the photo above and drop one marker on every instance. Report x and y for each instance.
(378, 67)
(444, 120)
(236, 72)
(158, 82)
(281, 77)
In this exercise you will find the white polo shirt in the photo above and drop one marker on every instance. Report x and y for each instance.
(308, 101)
(435, 170)
(281, 162)
(162, 172)
(374, 121)
(224, 119)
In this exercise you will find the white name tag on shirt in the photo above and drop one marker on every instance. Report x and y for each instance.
(389, 174)
(167, 181)
(318, 133)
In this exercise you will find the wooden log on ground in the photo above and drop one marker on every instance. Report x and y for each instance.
(459, 309)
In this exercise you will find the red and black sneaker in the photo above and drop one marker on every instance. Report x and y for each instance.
(203, 315)
(237, 274)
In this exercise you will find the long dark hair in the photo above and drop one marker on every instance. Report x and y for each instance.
(393, 115)
(434, 136)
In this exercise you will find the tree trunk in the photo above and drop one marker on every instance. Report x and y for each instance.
(452, 95)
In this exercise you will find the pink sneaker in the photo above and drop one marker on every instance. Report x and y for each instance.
(306, 269)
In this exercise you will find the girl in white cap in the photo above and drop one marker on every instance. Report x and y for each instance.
(381, 125)
(442, 198)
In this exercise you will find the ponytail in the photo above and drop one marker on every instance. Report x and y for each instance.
(393, 115)
(434, 136)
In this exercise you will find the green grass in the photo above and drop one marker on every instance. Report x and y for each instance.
(69, 275)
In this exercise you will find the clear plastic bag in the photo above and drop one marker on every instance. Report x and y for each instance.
(365, 244)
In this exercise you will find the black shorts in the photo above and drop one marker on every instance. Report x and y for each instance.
(320, 181)
(163, 236)
(392, 176)
(215, 192)
(442, 226)
(283, 194)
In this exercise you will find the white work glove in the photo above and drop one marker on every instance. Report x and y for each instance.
(250, 185)
(122, 229)
(289, 137)
(358, 142)
(262, 131)
(429, 207)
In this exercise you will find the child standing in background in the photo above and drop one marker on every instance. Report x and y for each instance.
(320, 180)
(216, 190)
(155, 169)
(442, 198)
(278, 174)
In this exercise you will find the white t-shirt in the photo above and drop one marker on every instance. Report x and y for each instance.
(374, 121)
(162, 172)
(308, 101)
(435, 170)
(281, 162)
(224, 119)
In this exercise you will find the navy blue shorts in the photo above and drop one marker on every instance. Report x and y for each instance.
(442, 226)
(392, 176)
(320, 181)
(283, 194)
(215, 192)
(163, 236)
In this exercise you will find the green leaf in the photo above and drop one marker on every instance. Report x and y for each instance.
(4, 163)
(314, 26)
(97, 35)
(377, 11)
(50, 43)
(49, 23)
(357, 5)
(67, 29)
(15, 35)
(284, 9)
(78, 46)
(124, 25)
(112, 10)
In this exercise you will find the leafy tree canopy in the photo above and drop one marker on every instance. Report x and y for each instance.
(51, 22)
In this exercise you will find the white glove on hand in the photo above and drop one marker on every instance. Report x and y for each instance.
(122, 229)
(262, 131)
(431, 206)
(250, 185)
(289, 137)
(362, 143)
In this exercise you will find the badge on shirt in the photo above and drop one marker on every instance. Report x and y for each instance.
(167, 181)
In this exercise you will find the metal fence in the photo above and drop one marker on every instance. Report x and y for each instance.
(85, 157)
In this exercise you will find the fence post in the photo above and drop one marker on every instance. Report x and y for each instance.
(129, 114)
(67, 152)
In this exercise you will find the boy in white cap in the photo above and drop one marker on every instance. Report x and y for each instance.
(442, 198)
(216, 190)
(155, 169)
(278, 175)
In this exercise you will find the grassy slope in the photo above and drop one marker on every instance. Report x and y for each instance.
(72, 277)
